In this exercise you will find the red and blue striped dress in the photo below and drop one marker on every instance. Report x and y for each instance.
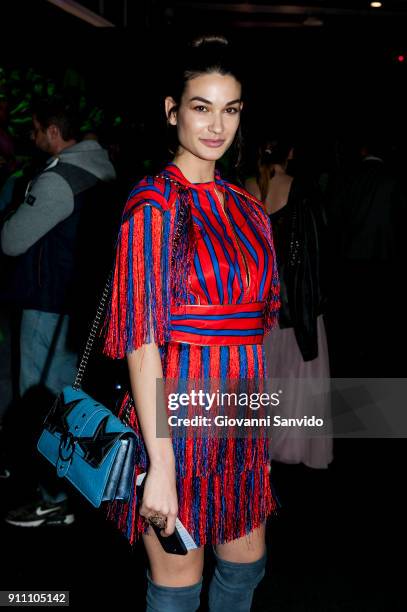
(198, 278)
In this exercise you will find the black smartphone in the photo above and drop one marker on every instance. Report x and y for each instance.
(173, 543)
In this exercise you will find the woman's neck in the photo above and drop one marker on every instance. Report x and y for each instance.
(194, 169)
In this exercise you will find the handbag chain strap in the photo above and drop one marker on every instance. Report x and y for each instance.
(92, 335)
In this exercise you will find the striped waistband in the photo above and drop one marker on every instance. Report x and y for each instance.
(218, 324)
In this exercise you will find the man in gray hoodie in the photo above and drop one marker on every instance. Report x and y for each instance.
(47, 233)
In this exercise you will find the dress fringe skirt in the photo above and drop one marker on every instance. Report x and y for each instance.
(223, 484)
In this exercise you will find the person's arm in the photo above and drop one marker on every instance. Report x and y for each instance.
(160, 493)
(136, 325)
(49, 202)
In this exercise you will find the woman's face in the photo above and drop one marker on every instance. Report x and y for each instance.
(208, 115)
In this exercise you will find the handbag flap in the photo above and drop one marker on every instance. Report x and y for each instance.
(81, 420)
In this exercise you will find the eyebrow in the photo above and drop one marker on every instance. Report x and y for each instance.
(209, 102)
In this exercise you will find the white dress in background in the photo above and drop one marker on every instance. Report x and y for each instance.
(284, 361)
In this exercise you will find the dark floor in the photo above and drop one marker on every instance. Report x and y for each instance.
(337, 545)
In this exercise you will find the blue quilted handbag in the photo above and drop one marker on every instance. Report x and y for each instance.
(86, 443)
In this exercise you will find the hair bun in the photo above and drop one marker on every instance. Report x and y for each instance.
(210, 39)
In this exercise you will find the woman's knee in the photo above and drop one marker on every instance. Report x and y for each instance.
(247, 549)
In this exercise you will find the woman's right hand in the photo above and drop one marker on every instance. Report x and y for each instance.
(160, 495)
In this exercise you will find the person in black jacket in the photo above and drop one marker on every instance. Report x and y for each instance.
(297, 349)
(367, 218)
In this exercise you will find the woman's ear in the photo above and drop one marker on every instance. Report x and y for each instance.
(53, 131)
(291, 154)
(170, 105)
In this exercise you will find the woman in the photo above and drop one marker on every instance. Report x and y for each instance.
(194, 289)
(297, 348)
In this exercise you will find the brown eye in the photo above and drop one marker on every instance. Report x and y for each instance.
(200, 108)
(232, 110)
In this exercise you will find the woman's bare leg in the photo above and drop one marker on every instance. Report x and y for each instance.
(173, 570)
(247, 549)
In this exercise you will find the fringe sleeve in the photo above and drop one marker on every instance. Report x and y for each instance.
(273, 303)
(138, 308)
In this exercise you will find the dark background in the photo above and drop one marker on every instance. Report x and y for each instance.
(339, 542)
(323, 80)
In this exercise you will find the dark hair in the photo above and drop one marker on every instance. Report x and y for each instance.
(58, 112)
(204, 55)
(271, 151)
